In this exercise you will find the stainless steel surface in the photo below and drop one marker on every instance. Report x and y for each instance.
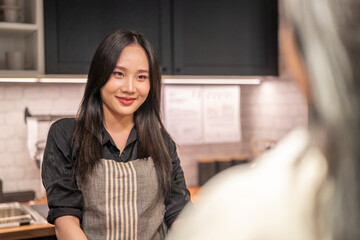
(15, 214)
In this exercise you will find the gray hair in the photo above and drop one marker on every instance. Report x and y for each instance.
(329, 34)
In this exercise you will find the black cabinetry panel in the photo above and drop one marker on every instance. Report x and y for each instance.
(74, 29)
(201, 37)
(234, 37)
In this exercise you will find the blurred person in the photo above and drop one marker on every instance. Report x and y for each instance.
(307, 187)
(113, 171)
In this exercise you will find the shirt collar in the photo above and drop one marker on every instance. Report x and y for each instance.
(106, 137)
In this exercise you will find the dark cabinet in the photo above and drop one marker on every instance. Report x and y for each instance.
(201, 37)
(234, 37)
(74, 29)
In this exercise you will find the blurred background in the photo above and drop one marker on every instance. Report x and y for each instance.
(227, 95)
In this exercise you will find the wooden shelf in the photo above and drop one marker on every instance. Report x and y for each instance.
(15, 29)
(26, 36)
(16, 73)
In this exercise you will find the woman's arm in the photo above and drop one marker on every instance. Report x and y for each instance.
(179, 195)
(68, 227)
(64, 198)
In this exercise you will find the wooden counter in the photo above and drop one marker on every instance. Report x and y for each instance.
(28, 231)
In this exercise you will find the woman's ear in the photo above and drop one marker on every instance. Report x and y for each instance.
(294, 60)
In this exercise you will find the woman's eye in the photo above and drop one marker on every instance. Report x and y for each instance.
(142, 77)
(118, 74)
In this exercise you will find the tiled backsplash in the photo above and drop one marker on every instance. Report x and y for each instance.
(272, 109)
(17, 169)
(269, 110)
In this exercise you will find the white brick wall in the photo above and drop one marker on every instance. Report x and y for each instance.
(17, 170)
(272, 109)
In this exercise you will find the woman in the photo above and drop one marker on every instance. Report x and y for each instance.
(113, 172)
(308, 186)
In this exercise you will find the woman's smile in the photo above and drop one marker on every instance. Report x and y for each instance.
(126, 100)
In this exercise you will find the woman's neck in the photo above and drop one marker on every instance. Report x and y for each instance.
(119, 129)
(117, 125)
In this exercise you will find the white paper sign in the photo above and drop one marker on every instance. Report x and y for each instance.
(221, 113)
(183, 113)
(202, 114)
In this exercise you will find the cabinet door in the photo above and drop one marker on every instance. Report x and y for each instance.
(74, 29)
(234, 37)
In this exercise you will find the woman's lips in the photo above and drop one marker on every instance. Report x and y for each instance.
(126, 100)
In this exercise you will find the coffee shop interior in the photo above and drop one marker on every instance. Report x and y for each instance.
(227, 93)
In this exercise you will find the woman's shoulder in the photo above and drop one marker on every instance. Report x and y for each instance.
(59, 136)
(62, 126)
(64, 121)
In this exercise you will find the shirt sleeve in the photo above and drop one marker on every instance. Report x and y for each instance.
(63, 196)
(179, 195)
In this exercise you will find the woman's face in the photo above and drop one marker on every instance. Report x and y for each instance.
(128, 85)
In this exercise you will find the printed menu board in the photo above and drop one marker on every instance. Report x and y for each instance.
(202, 114)
(221, 111)
(183, 115)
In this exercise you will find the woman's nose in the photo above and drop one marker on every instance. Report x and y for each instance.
(128, 85)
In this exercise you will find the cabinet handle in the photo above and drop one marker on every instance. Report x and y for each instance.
(178, 70)
(164, 70)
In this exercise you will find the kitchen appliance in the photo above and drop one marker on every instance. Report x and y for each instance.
(16, 214)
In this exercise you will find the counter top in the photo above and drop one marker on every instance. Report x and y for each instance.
(40, 229)
(28, 231)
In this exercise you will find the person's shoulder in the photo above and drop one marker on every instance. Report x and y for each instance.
(64, 122)
(62, 126)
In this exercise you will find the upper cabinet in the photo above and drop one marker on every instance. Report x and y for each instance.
(21, 37)
(213, 37)
(202, 37)
(74, 29)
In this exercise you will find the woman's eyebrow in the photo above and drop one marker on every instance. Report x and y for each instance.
(120, 68)
(139, 71)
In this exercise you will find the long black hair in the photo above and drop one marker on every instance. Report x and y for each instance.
(329, 31)
(88, 126)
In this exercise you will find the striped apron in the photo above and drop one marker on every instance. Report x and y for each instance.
(122, 200)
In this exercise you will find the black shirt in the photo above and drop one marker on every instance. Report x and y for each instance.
(63, 195)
